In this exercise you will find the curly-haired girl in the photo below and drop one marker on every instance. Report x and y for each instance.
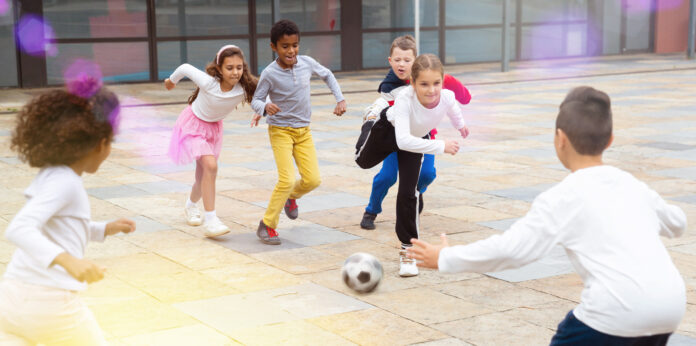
(197, 134)
(64, 133)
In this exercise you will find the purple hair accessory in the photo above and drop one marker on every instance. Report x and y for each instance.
(83, 78)
(84, 86)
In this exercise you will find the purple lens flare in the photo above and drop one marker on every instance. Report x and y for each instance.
(35, 36)
(4, 7)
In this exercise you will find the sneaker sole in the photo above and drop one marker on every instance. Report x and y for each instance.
(194, 223)
(269, 243)
(407, 275)
(368, 228)
(216, 234)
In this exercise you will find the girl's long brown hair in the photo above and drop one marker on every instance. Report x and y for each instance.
(248, 80)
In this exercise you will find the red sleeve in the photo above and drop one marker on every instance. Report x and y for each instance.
(461, 93)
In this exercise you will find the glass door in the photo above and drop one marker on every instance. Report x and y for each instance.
(636, 25)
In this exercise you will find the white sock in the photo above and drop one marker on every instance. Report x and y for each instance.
(210, 216)
(189, 203)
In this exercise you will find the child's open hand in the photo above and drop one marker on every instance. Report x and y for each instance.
(169, 84)
(425, 254)
(340, 108)
(271, 108)
(81, 269)
(451, 147)
(118, 226)
(255, 120)
(464, 131)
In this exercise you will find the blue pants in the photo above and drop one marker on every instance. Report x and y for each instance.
(387, 177)
(572, 331)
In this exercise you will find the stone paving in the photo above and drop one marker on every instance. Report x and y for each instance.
(168, 285)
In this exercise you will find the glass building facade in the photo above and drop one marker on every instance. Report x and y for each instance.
(145, 40)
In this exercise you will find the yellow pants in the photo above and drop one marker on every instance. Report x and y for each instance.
(289, 143)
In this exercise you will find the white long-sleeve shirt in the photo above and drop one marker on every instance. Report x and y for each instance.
(55, 219)
(610, 225)
(212, 104)
(412, 120)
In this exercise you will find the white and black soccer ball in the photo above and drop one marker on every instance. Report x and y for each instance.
(362, 272)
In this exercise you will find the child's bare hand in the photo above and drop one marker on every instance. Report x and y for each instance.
(169, 84)
(464, 131)
(82, 270)
(451, 147)
(255, 120)
(340, 108)
(271, 108)
(425, 254)
(118, 226)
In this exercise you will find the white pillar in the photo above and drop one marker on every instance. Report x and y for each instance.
(276, 10)
(416, 23)
(505, 59)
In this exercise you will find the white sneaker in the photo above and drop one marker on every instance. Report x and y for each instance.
(215, 227)
(193, 216)
(407, 265)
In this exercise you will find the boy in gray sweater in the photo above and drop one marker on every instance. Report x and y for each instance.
(285, 82)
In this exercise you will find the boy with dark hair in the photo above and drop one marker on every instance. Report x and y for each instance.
(286, 82)
(609, 224)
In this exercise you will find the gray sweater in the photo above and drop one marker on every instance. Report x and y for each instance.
(289, 89)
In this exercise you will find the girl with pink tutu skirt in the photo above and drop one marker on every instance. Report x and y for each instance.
(197, 134)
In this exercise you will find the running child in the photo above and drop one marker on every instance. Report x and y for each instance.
(285, 82)
(401, 56)
(197, 134)
(405, 129)
(610, 225)
(64, 134)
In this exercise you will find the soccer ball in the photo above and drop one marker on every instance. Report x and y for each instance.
(361, 272)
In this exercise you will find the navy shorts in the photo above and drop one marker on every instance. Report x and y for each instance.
(572, 331)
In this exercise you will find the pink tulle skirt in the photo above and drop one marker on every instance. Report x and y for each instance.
(193, 138)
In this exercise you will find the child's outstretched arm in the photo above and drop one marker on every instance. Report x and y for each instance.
(457, 120)
(119, 226)
(373, 110)
(186, 70)
(672, 218)
(99, 230)
(168, 84)
(328, 77)
(427, 254)
(527, 240)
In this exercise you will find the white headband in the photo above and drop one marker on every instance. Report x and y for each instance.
(217, 56)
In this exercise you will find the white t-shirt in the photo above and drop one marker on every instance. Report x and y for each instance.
(55, 219)
(610, 225)
(212, 104)
(412, 120)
